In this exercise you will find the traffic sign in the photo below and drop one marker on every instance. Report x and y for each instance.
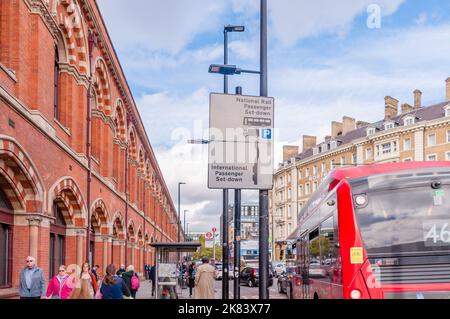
(214, 229)
(240, 142)
(209, 235)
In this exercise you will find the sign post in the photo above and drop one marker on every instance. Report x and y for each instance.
(241, 142)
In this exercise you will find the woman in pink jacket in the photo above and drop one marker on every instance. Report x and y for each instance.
(61, 286)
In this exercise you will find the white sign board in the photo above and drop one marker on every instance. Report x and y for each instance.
(209, 243)
(167, 270)
(240, 142)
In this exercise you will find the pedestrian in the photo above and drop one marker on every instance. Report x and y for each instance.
(83, 291)
(61, 285)
(131, 279)
(204, 280)
(191, 276)
(146, 271)
(88, 278)
(113, 286)
(152, 275)
(121, 270)
(95, 272)
(32, 281)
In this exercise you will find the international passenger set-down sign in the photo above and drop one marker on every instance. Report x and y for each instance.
(240, 142)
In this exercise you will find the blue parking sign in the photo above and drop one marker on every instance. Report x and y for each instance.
(266, 134)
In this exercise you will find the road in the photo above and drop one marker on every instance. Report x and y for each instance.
(246, 292)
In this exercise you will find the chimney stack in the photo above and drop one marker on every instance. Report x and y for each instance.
(447, 88)
(406, 108)
(391, 107)
(289, 151)
(348, 124)
(336, 129)
(309, 142)
(417, 99)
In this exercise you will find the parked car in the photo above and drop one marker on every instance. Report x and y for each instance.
(285, 281)
(250, 277)
(279, 268)
(219, 272)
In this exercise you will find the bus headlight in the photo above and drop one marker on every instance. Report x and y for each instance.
(355, 294)
(361, 200)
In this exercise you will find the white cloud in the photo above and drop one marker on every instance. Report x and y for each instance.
(167, 25)
(295, 20)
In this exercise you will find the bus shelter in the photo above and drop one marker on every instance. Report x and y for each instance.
(167, 264)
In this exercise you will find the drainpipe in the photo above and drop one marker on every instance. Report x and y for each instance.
(92, 39)
(126, 202)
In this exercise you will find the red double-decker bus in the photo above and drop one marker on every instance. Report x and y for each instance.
(378, 231)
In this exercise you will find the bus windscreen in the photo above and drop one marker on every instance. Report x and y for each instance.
(404, 220)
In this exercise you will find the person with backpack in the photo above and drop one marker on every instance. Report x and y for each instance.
(113, 287)
(61, 285)
(131, 280)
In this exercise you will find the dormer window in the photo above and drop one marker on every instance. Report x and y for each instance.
(409, 120)
(447, 110)
(371, 131)
(333, 144)
(316, 150)
(389, 125)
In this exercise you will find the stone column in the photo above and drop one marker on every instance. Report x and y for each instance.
(34, 223)
(105, 254)
(141, 259)
(80, 246)
(133, 250)
(121, 252)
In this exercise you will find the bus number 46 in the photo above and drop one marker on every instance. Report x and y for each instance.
(442, 235)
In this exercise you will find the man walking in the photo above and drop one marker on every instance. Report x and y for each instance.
(152, 275)
(205, 278)
(32, 281)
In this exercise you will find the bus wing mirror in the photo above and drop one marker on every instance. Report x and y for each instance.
(337, 245)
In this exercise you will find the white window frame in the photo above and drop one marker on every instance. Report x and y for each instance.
(404, 144)
(307, 172)
(307, 189)
(300, 190)
(371, 131)
(409, 120)
(432, 155)
(448, 136)
(389, 125)
(447, 156)
(332, 164)
(369, 153)
(447, 110)
(315, 170)
(428, 140)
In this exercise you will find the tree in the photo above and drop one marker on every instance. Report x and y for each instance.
(208, 252)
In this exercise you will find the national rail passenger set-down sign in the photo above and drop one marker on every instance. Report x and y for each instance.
(240, 142)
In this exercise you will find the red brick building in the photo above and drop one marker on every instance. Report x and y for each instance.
(73, 149)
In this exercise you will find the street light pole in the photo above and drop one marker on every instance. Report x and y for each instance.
(179, 185)
(263, 194)
(184, 221)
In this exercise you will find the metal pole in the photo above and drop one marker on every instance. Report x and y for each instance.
(263, 194)
(179, 184)
(237, 234)
(225, 253)
(237, 242)
(184, 225)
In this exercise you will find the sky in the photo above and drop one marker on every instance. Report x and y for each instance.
(327, 59)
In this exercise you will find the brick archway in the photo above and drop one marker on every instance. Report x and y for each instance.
(70, 21)
(67, 193)
(19, 179)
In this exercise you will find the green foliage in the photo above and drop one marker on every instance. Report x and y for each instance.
(208, 252)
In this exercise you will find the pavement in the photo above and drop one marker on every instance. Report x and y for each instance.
(145, 291)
